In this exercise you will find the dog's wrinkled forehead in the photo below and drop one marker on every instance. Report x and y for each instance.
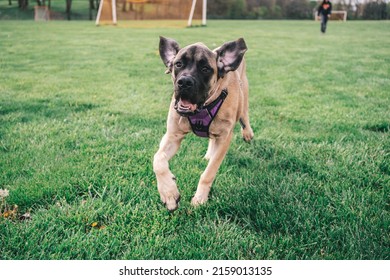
(195, 53)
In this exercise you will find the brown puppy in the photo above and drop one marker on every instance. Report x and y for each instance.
(210, 97)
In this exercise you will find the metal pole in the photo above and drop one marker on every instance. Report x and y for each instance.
(99, 12)
(191, 13)
(113, 11)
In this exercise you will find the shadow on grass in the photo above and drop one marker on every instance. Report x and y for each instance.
(382, 127)
(36, 109)
(304, 206)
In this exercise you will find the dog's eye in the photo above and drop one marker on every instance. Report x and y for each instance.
(205, 69)
(178, 64)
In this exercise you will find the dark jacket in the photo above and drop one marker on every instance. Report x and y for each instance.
(325, 8)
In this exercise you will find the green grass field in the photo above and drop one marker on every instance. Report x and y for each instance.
(83, 108)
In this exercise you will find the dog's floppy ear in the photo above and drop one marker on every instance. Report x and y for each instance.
(229, 56)
(168, 50)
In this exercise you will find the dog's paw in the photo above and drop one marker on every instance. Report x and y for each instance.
(247, 134)
(171, 201)
(198, 200)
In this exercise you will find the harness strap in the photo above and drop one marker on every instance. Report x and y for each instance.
(201, 121)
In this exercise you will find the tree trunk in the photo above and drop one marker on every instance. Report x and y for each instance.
(91, 7)
(68, 8)
(23, 4)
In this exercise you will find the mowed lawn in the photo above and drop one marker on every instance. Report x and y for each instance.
(83, 108)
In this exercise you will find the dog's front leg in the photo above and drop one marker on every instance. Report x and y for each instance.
(219, 148)
(166, 181)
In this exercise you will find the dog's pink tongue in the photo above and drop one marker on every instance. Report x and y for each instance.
(185, 105)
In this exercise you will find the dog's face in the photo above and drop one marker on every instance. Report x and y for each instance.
(195, 69)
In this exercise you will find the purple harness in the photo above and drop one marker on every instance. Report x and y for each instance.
(201, 121)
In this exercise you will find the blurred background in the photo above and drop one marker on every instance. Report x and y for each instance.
(180, 9)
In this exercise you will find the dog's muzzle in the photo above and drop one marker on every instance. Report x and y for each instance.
(185, 108)
(185, 103)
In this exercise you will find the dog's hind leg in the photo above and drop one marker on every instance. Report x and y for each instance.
(246, 129)
(166, 181)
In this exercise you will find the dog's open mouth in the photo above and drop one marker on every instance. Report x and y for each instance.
(185, 107)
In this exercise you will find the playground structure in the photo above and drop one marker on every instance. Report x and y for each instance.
(110, 11)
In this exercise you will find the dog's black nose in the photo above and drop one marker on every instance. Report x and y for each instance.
(185, 82)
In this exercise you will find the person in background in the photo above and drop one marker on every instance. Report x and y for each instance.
(325, 10)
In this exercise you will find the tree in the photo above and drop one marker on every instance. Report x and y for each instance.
(237, 9)
(298, 9)
(68, 8)
(375, 10)
(218, 8)
(23, 4)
